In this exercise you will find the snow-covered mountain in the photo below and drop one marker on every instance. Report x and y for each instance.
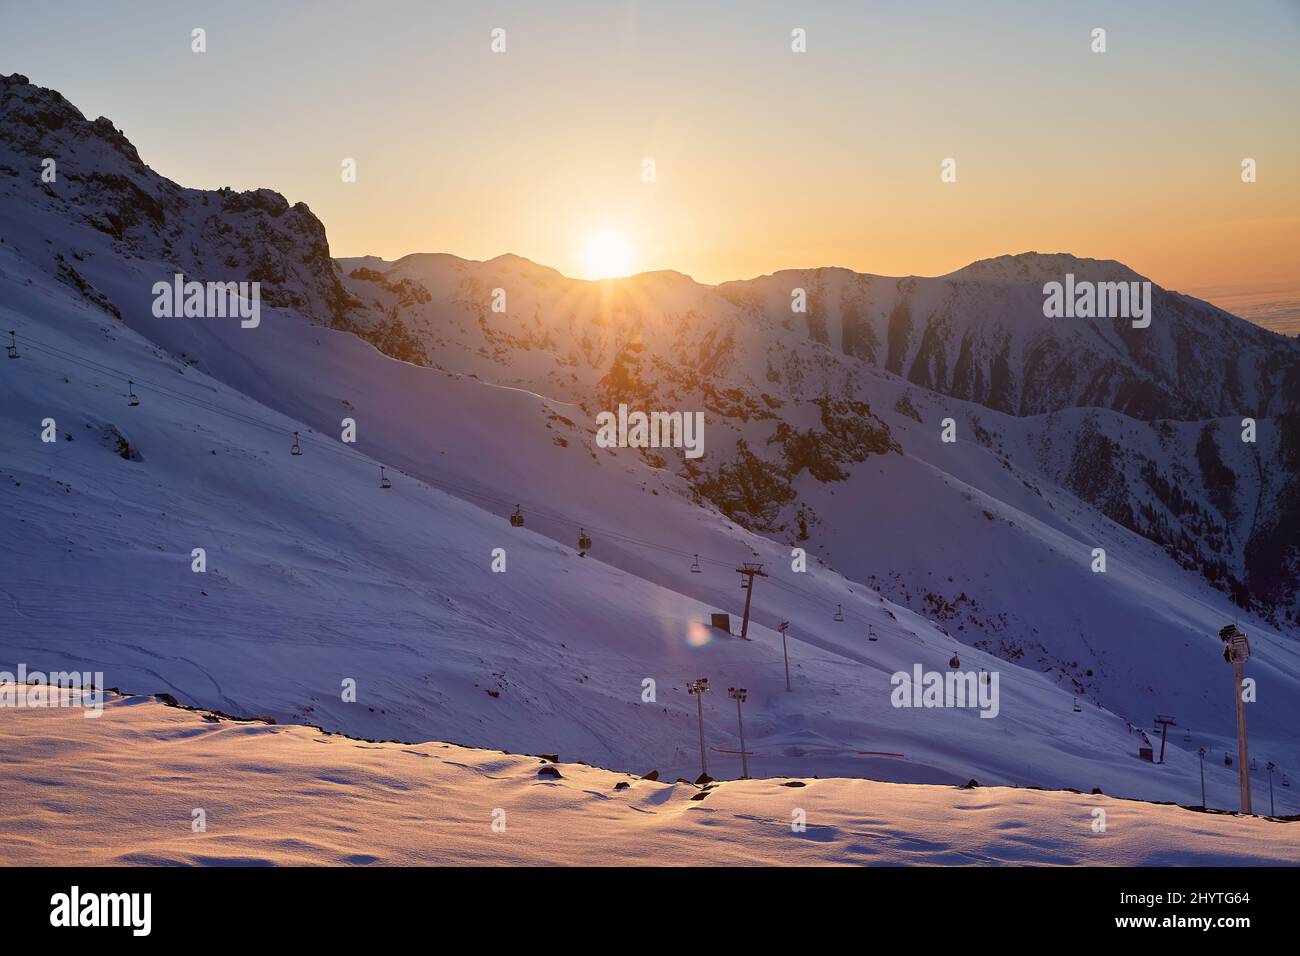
(97, 181)
(980, 334)
(1068, 439)
(793, 395)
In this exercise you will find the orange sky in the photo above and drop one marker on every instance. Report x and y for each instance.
(765, 158)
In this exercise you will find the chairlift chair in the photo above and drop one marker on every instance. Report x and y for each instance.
(839, 612)
(584, 542)
(695, 565)
(1077, 708)
(12, 347)
(383, 479)
(132, 398)
(1187, 736)
(517, 519)
(297, 448)
(871, 633)
(744, 582)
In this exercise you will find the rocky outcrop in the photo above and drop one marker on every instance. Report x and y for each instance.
(98, 181)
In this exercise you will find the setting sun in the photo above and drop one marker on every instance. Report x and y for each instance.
(606, 255)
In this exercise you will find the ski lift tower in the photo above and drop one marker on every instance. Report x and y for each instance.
(1236, 651)
(749, 571)
(1165, 723)
(783, 627)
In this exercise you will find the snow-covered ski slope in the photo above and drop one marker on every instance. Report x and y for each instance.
(316, 574)
(994, 534)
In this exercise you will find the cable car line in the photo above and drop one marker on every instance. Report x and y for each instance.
(440, 483)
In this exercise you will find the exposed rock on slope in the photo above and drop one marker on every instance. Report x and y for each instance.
(100, 180)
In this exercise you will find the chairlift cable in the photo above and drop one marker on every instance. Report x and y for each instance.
(439, 482)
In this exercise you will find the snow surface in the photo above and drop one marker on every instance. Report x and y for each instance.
(292, 795)
(316, 575)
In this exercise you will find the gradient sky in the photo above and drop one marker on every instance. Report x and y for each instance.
(766, 159)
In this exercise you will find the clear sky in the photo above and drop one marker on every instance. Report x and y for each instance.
(764, 158)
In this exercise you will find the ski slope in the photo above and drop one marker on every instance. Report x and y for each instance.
(317, 575)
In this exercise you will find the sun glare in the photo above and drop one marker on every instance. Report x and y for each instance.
(606, 255)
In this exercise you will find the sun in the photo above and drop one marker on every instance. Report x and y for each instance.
(606, 255)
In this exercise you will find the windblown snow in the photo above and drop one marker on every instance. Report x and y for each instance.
(293, 796)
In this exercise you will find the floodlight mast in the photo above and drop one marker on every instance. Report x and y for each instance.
(1236, 650)
(698, 687)
(738, 694)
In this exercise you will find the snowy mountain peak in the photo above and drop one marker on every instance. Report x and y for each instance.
(31, 114)
(1040, 267)
(88, 175)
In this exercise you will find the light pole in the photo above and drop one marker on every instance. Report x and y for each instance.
(739, 694)
(1204, 805)
(1272, 812)
(698, 687)
(785, 625)
(1236, 650)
